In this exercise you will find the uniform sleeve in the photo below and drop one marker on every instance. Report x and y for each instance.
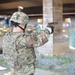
(42, 37)
(8, 51)
(36, 39)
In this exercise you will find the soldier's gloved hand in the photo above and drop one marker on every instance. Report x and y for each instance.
(52, 29)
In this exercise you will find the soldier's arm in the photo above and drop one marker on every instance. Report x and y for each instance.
(42, 37)
(8, 53)
(35, 39)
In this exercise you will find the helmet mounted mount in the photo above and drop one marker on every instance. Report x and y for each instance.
(19, 18)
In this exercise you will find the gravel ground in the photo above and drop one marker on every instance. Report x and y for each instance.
(51, 65)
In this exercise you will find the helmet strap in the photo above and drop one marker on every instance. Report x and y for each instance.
(22, 28)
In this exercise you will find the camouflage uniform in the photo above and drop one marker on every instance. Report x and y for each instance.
(18, 50)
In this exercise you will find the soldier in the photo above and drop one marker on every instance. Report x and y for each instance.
(19, 43)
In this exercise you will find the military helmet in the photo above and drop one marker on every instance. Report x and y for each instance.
(20, 17)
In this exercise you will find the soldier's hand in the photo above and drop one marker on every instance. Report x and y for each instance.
(52, 29)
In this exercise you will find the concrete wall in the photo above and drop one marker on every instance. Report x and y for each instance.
(1, 40)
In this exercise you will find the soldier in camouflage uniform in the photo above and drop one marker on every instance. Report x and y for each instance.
(18, 45)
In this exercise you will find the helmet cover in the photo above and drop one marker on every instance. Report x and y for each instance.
(20, 17)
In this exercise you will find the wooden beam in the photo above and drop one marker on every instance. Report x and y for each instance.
(9, 1)
(30, 10)
(69, 13)
(69, 7)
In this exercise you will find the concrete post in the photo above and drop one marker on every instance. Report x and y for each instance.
(57, 17)
(58, 34)
(52, 12)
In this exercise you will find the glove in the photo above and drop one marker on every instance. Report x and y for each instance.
(52, 29)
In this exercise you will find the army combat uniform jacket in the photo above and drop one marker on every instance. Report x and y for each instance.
(18, 50)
